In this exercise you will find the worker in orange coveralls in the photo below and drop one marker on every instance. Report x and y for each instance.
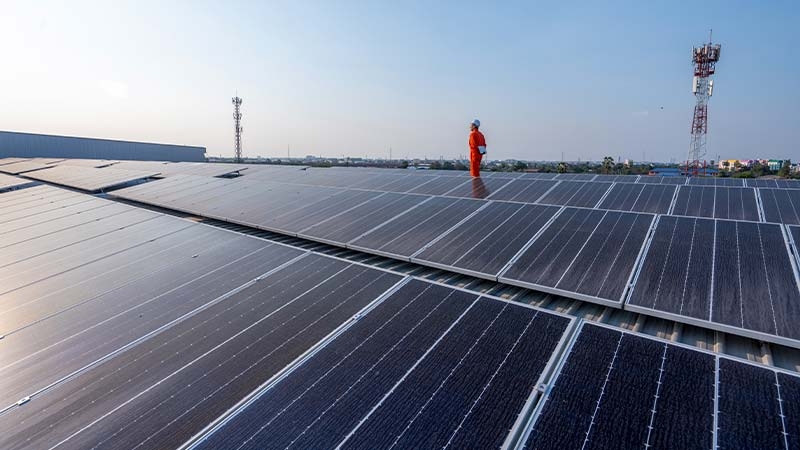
(477, 148)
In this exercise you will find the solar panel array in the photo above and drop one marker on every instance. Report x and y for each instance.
(621, 390)
(126, 328)
(631, 245)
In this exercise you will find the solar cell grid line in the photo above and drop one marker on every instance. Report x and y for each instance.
(523, 190)
(215, 367)
(788, 184)
(650, 179)
(372, 399)
(405, 235)
(406, 183)
(793, 233)
(618, 389)
(150, 310)
(780, 205)
(363, 218)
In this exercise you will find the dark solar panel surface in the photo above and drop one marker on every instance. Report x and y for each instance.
(619, 390)
(427, 358)
(199, 368)
(410, 232)
(649, 198)
(733, 274)
(781, 205)
(576, 193)
(487, 241)
(588, 252)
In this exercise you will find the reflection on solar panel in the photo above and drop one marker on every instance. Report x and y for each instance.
(781, 205)
(650, 198)
(727, 275)
(620, 390)
(426, 358)
(88, 178)
(584, 253)
(717, 202)
(479, 188)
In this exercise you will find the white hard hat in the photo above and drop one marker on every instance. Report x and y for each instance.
(476, 122)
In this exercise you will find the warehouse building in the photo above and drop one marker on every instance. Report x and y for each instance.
(29, 145)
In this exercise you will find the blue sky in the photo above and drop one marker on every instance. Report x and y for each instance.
(588, 79)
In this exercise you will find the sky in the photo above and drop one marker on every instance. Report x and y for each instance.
(581, 80)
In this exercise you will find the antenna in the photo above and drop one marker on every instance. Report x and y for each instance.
(237, 126)
(704, 59)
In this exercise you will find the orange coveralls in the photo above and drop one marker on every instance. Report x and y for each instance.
(476, 140)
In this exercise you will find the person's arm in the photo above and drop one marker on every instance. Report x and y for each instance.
(473, 145)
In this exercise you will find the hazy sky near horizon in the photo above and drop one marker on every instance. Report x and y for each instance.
(588, 79)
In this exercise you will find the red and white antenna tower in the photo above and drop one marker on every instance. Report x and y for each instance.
(237, 127)
(704, 59)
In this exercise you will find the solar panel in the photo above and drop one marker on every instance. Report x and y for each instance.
(576, 176)
(649, 198)
(87, 178)
(426, 358)
(406, 234)
(539, 175)
(8, 182)
(355, 222)
(727, 275)
(622, 390)
(780, 205)
(523, 190)
(439, 185)
(23, 167)
(586, 254)
(484, 243)
(576, 193)
(717, 202)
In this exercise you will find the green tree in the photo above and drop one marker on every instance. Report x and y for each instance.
(608, 164)
(786, 169)
(562, 167)
(520, 166)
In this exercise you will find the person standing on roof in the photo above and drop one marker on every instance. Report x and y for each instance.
(477, 148)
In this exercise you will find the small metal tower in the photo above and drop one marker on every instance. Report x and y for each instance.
(704, 59)
(237, 127)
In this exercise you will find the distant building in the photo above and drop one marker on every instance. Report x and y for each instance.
(29, 145)
(666, 172)
(775, 164)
